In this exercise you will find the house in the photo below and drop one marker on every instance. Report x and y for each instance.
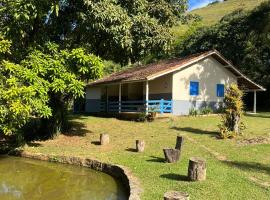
(169, 86)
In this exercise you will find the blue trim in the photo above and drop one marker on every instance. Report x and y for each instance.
(194, 88)
(220, 90)
(161, 106)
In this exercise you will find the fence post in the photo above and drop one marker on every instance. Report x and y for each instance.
(162, 106)
(171, 106)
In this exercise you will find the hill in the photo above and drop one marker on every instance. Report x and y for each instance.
(214, 12)
(211, 14)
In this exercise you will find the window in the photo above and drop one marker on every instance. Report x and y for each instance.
(220, 90)
(194, 88)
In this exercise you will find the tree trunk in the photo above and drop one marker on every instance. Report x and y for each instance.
(140, 144)
(104, 139)
(236, 124)
(197, 169)
(171, 155)
(179, 142)
(174, 195)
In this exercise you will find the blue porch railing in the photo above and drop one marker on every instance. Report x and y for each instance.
(160, 106)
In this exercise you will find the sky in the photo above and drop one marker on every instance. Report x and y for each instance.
(193, 4)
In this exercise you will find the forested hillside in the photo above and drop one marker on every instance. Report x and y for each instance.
(242, 37)
(212, 13)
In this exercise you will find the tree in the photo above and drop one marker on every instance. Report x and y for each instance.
(111, 29)
(231, 124)
(65, 73)
(42, 86)
(22, 95)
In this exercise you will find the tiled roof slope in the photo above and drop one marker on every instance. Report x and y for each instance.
(142, 72)
(150, 71)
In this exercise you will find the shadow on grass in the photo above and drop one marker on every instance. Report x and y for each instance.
(76, 129)
(249, 166)
(96, 142)
(196, 131)
(175, 177)
(156, 159)
(33, 144)
(131, 150)
(258, 115)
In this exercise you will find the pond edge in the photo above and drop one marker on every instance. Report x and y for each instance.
(117, 171)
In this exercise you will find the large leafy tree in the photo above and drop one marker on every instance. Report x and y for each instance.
(121, 30)
(42, 85)
(23, 94)
(244, 38)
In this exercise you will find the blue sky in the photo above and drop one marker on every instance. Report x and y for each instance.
(193, 4)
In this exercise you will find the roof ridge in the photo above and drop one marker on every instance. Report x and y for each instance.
(136, 69)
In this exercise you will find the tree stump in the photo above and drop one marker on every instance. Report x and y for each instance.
(174, 195)
(171, 155)
(104, 139)
(197, 169)
(179, 142)
(140, 144)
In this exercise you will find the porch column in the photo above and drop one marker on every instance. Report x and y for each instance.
(146, 95)
(107, 100)
(120, 97)
(255, 102)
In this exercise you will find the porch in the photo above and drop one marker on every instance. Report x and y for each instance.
(133, 97)
(159, 106)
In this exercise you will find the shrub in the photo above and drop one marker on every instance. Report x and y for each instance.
(206, 111)
(231, 124)
(193, 112)
(142, 117)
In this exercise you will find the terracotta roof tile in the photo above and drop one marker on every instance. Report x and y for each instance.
(142, 72)
(147, 71)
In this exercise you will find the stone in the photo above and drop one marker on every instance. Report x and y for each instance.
(140, 145)
(104, 139)
(175, 195)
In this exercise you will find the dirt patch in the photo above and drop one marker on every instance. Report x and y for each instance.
(217, 155)
(260, 182)
(254, 141)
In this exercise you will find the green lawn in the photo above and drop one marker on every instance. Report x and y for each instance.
(234, 171)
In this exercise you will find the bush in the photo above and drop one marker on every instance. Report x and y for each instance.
(193, 112)
(142, 117)
(206, 111)
(231, 124)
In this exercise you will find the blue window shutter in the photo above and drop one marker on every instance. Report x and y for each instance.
(220, 90)
(194, 88)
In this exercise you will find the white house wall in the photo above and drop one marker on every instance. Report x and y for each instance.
(208, 72)
(93, 99)
(93, 93)
(160, 88)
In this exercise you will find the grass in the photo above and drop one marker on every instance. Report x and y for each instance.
(233, 171)
(212, 14)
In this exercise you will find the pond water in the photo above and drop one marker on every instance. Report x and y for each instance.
(27, 179)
